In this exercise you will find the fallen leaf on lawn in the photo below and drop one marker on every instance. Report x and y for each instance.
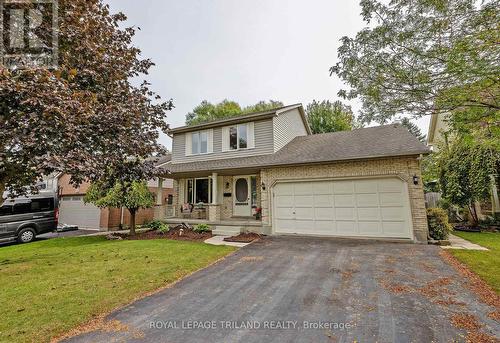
(474, 282)
(114, 326)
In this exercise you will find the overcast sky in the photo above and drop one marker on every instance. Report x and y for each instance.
(242, 50)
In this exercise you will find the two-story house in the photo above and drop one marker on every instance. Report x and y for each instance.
(360, 183)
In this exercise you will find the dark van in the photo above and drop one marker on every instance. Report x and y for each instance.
(24, 218)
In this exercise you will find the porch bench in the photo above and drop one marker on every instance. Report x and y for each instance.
(193, 212)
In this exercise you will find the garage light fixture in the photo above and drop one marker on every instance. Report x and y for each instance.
(415, 179)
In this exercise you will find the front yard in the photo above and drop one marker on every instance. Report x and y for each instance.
(49, 287)
(486, 264)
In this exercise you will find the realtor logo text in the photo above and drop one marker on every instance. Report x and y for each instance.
(248, 325)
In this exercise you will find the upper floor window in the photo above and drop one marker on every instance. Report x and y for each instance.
(238, 137)
(199, 142)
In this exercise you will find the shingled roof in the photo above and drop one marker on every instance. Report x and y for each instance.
(367, 143)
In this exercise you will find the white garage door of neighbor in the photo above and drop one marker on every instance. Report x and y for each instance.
(73, 211)
(362, 207)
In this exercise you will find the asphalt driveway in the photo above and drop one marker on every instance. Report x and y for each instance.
(290, 289)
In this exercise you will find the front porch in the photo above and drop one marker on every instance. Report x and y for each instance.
(226, 227)
(229, 203)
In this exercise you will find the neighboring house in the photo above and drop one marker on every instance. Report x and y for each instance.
(360, 183)
(438, 135)
(49, 182)
(73, 211)
(438, 129)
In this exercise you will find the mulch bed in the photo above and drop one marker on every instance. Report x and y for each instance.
(471, 228)
(187, 235)
(467, 228)
(247, 237)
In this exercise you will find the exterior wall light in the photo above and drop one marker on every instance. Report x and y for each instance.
(415, 179)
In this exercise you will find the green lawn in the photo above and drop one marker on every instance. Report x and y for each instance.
(486, 264)
(50, 287)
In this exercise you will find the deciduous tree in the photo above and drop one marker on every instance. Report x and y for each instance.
(206, 111)
(85, 116)
(423, 57)
(465, 173)
(329, 116)
(125, 186)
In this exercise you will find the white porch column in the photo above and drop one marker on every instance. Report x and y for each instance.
(214, 189)
(159, 192)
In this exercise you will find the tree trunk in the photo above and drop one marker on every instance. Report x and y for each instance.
(2, 189)
(473, 214)
(132, 221)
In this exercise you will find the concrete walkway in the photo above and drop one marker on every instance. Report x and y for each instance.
(460, 243)
(219, 240)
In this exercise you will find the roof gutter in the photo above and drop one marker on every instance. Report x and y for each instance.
(289, 164)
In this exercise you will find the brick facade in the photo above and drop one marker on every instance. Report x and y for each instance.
(65, 188)
(226, 206)
(402, 167)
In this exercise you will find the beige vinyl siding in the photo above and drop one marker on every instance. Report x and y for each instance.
(263, 135)
(287, 126)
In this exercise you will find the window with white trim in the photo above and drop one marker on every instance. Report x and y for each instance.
(199, 142)
(199, 191)
(239, 136)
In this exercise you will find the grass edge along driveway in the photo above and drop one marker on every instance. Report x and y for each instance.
(486, 264)
(49, 287)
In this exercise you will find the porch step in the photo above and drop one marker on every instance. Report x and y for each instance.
(225, 230)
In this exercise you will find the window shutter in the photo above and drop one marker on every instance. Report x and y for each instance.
(251, 135)
(189, 144)
(225, 138)
(210, 135)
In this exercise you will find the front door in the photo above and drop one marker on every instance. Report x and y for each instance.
(242, 193)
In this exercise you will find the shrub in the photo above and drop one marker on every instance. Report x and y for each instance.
(490, 221)
(164, 229)
(157, 225)
(439, 227)
(202, 228)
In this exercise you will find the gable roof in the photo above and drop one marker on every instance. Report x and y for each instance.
(244, 118)
(367, 143)
(160, 161)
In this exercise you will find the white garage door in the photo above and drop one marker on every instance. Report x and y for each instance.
(362, 207)
(73, 211)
